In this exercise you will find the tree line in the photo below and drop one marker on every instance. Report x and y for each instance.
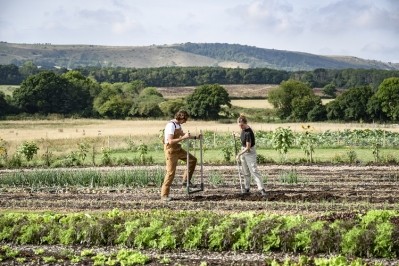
(296, 101)
(196, 76)
(73, 94)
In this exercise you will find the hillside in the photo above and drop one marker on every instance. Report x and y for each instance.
(188, 54)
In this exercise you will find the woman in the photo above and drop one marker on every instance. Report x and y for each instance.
(247, 155)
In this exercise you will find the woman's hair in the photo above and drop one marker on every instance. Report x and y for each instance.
(242, 119)
(180, 115)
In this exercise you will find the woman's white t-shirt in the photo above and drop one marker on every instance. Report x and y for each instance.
(170, 129)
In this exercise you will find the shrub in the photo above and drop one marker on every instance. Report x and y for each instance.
(29, 149)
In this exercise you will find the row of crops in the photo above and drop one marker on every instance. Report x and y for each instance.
(328, 138)
(84, 178)
(372, 234)
(31, 154)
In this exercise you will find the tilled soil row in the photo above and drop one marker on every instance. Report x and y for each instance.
(326, 188)
(157, 258)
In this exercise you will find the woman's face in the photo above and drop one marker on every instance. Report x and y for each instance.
(241, 125)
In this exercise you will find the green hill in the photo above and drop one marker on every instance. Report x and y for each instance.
(188, 54)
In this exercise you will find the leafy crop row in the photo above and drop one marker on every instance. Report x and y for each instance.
(374, 234)
(86, 257)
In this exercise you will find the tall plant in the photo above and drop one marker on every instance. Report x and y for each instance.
(28, 149)
(282, 140)
(308, 142)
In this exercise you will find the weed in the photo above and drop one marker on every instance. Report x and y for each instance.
(143, 150)
(15, 161)
(165, 260)
(352, 156)
(47, 157)
(227, 153)
(83, 149)
(39, 251)
(215, 179)
(308, 142)
(49, 259)
(106, 156)
(289, 177)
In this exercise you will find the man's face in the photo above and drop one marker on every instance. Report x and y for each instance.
(183, 120)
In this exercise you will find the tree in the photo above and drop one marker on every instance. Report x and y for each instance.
(206, 101)
(330, 90)
(9, 75)
(293, 99)
(4, 106)
(171, 107)
(113, 101)
(334, 111)
(351, 105)
(86, 88)
(387, 97)
(318, 113)
(147, 103)
(374, 109)
(28, 69)
(48, 93)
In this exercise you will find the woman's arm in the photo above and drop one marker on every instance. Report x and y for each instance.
(247, 149)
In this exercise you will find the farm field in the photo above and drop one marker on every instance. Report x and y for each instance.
(315, 190)
(260, 103)
(96, 215)
(85, 128)
(332, 192)
(235, 91)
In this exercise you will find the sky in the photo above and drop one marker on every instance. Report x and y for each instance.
(367, 29)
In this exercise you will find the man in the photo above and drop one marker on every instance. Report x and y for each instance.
(247, 155)
(173, 135)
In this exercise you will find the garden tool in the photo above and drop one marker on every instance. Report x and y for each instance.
(201, 167)
(238, 163)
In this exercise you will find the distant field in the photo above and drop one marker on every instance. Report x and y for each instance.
(86, 128)
(252, 103)
(260, 103)
(235, 91)
(8, 89)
